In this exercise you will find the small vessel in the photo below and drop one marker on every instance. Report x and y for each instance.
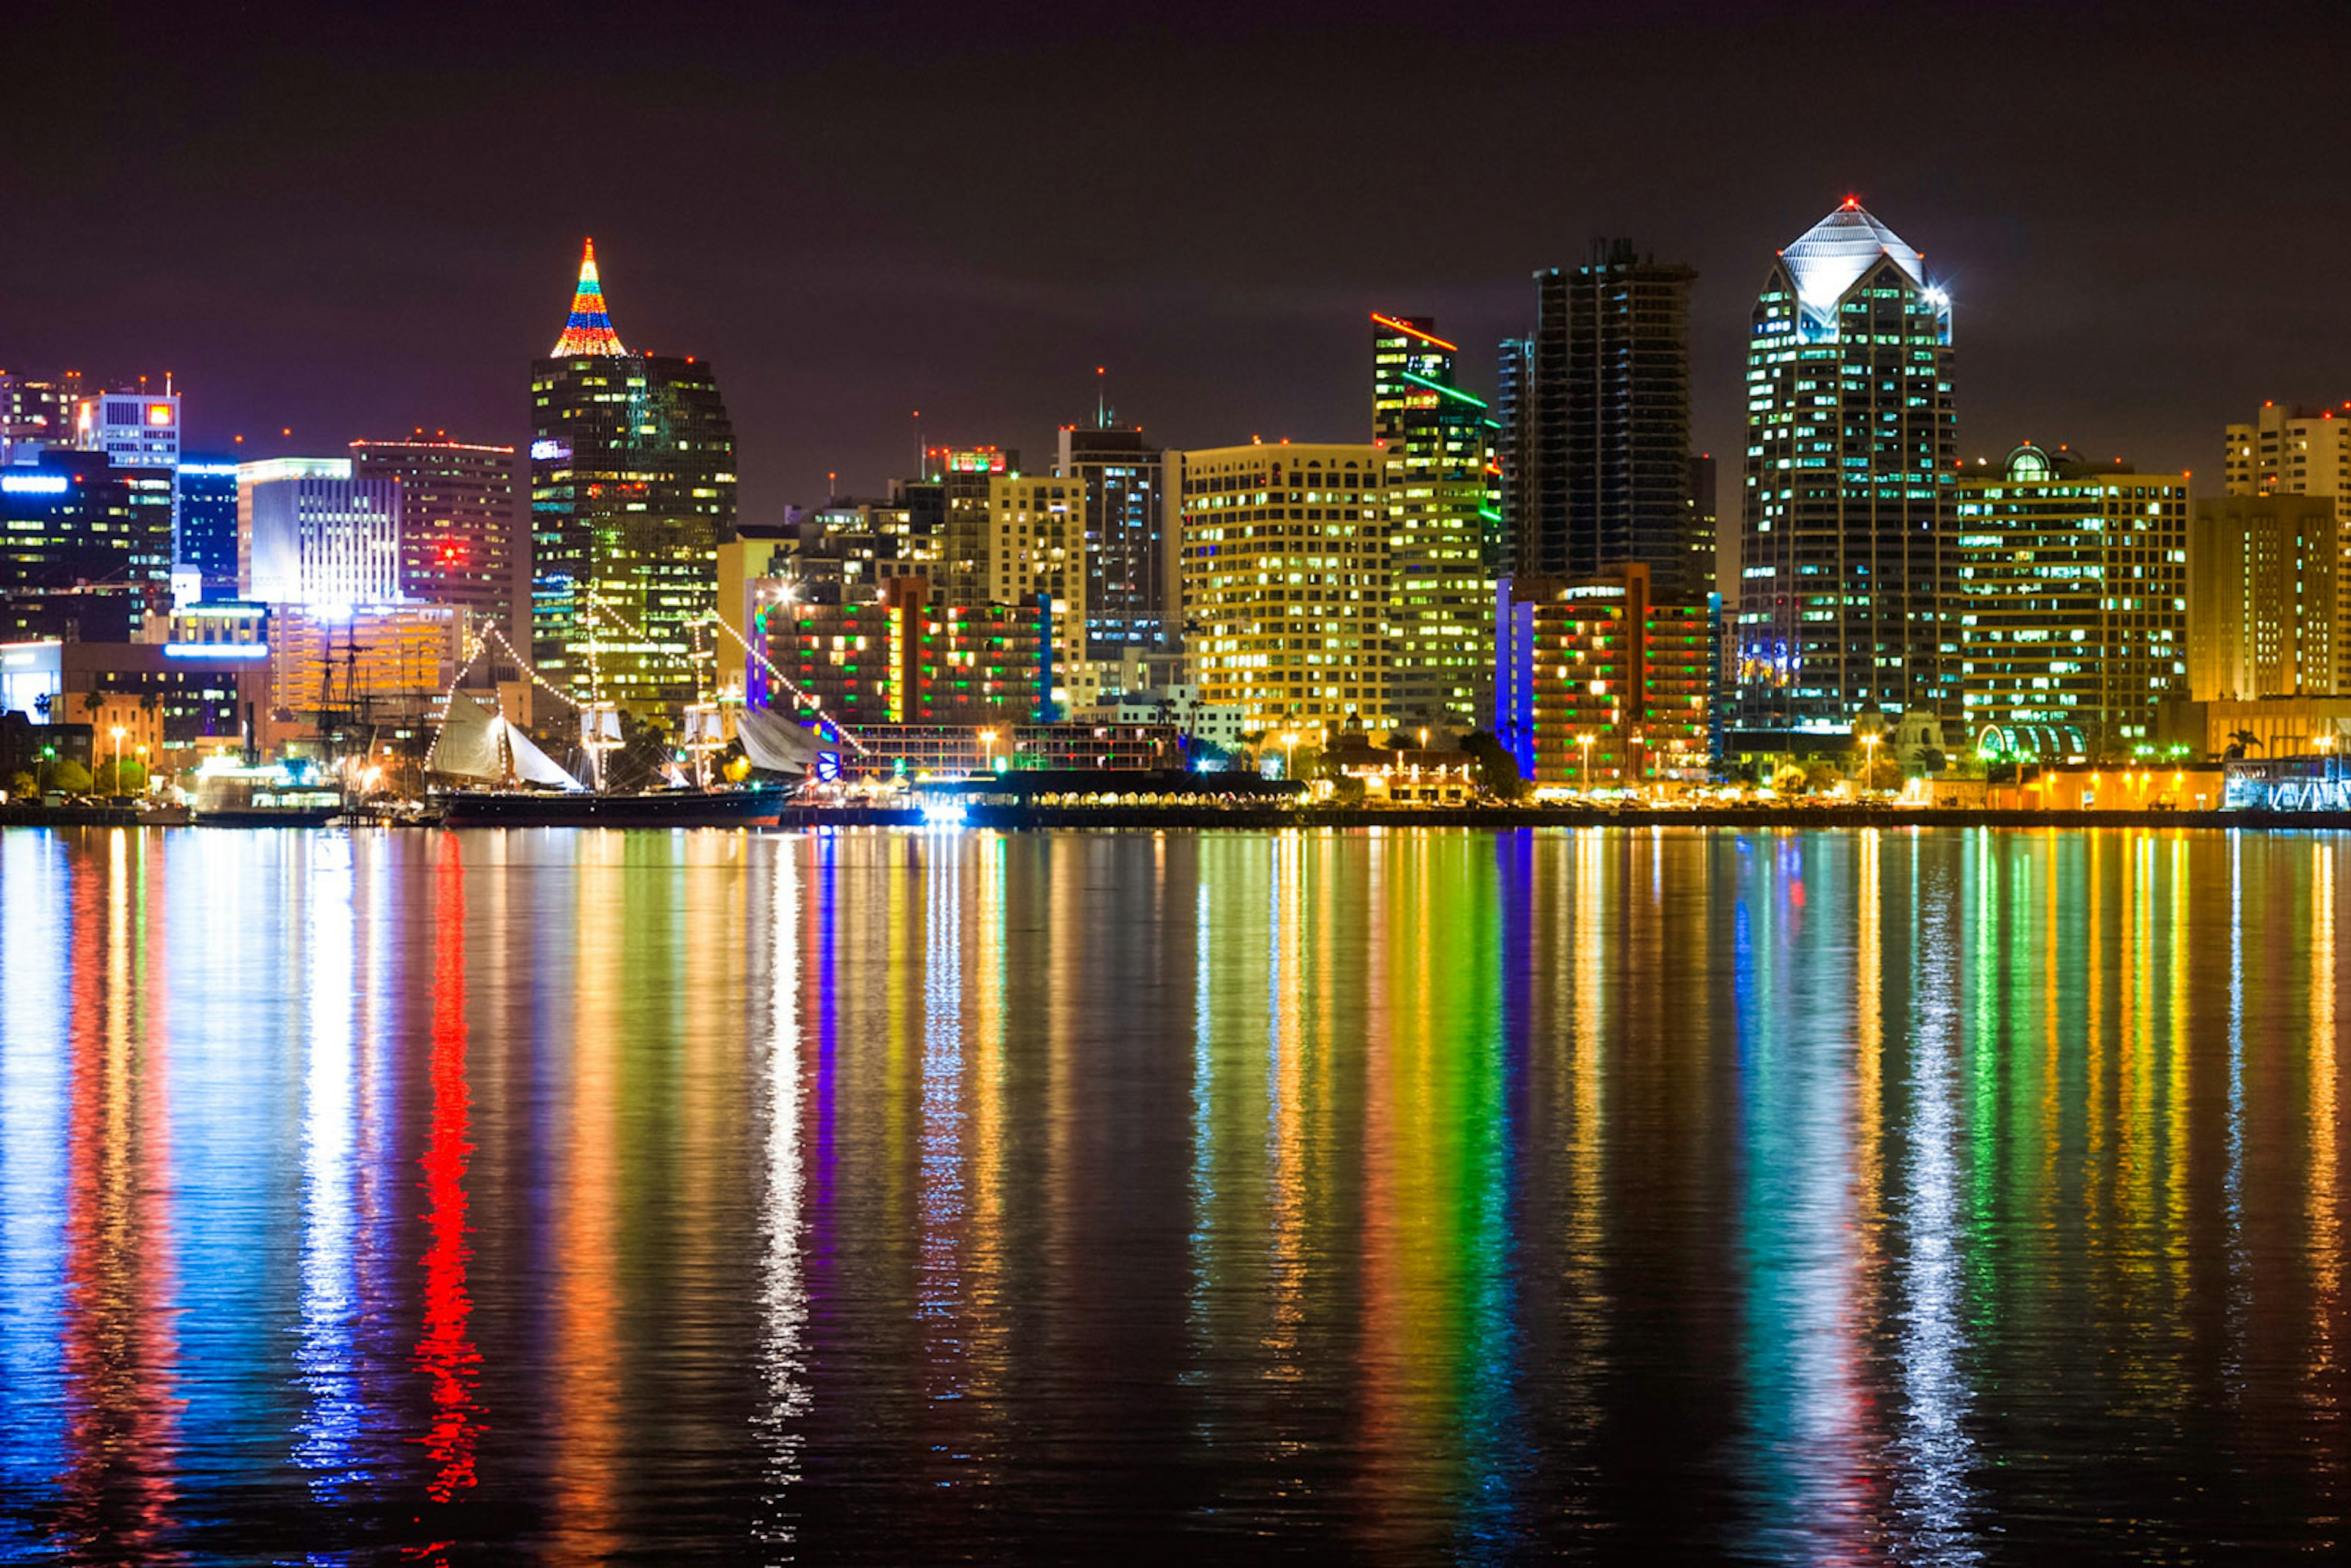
(273, 795)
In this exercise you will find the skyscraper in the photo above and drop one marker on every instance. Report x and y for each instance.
(84, 553)
(1845, 568)
(459, 539)
(208, 487)
(1128, 566)
(631, 491)
(1598, 433)
(2266, 595)
(2293, 451)
(1440, 444)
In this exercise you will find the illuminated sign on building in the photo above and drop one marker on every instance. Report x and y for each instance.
(549, 451)
(979, 460)
(217, 650)
(158, 413)
(34, 484)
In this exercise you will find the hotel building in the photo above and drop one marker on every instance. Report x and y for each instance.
(2072, 608)
(1285, 560)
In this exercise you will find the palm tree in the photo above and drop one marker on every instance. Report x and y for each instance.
(2240, 741)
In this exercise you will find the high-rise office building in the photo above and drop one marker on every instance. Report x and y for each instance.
(1129, 566)
(2266, 599)
(1285, 582)
(208, 532)
(312, 535)
(1035, 553)
(1845, 566)
(460, 541)
(85, 551)
(1700, 534)
(1598, 438)
(2072, 609)
(631, 492)
(904, 657)
(1440, 444)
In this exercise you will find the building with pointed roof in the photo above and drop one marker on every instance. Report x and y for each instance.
(632, 492)
(1846, 563)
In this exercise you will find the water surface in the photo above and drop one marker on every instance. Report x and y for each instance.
(1922, 1195)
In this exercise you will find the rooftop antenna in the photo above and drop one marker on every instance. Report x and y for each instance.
(922, 454)
(1102, 399)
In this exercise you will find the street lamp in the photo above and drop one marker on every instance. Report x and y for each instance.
(987, 751)
(1289, 755)
(117, 733)
(1869, 760)
(1585, 740)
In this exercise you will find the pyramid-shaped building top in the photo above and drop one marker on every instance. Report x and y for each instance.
(1831, 257)
(588, 329)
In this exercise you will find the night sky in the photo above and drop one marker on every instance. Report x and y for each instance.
(359, 221)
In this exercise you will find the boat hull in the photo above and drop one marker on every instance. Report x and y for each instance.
(754, 806)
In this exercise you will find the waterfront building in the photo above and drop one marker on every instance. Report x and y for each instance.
(1130, 562)
(2277, 726)
(208, 527)
(1036, 553)
(915, 751)
(311, 534)
(1285, 555)
(2072, 609)
(461, 539)
(85, 546)
(1440, 444)
(1599, 684)
(1599, 415)
(904, 656)
(174, 700)
(1845, 566)
(2266, 598)
(632, 492)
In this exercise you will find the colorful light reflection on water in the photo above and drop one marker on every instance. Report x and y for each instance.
(1944, 1196)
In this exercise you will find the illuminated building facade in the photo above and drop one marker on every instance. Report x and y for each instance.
(1286, 582)
(208, 530)
(174, 699)
(369, 668)
(967, 515)
(2265, 599)
(1599, 685)
(1130, 564)
(1035, 551)
(2293, 451)
(1440, 494)
(36, 411)
(1845, 564)
(1599, 424)
(2072, 613)
(632, 492)
(461, 539)
(908, 658)
(311, 534)
(85, 546)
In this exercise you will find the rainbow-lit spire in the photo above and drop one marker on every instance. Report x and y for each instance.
(588, 330)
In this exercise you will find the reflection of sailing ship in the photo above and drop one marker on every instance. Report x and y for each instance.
(525, 788)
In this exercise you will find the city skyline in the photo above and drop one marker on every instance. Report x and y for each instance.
(842, 281)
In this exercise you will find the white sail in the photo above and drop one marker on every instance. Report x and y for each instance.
(468, 746)
(534, 764)
(704, 725)
(775, 744)
(600, 724)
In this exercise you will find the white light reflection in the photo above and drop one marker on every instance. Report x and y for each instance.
(330, 1304)
(1932, 1493)
(783, 1293)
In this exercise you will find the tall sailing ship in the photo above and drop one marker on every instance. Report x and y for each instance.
(513, 783)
